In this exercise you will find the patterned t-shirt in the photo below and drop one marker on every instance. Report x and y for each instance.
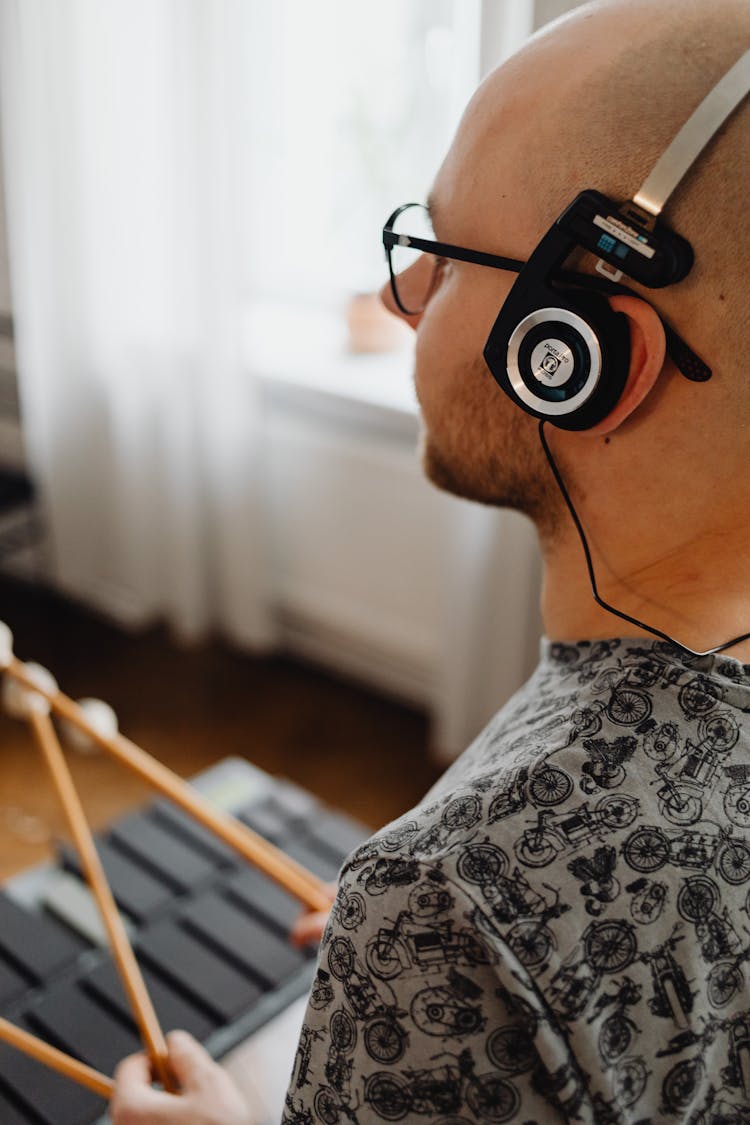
(560, 931)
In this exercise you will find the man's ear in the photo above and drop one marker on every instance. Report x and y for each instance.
(648, 348)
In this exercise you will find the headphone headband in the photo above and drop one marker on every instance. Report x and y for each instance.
(704, 122)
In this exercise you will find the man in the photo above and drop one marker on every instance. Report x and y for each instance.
(560, 931)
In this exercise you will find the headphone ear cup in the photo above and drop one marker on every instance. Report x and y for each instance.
(557, 349)
(613, 334)
(560, 353)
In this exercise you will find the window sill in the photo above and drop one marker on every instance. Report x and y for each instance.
(303, 354)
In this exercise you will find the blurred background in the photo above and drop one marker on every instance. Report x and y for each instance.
(211, 510)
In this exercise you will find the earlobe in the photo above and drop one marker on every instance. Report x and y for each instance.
(648, 347)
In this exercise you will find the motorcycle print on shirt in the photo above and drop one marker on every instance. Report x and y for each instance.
(561, 931)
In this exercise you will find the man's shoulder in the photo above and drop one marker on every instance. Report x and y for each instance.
(557, 807)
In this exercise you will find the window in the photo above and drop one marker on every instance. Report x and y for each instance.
(350, 109)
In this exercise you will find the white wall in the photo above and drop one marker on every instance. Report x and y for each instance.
(11, 442)
(505, 25)
(5, 304)
(547, 10)
(384, 578)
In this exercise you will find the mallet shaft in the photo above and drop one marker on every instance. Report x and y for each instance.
(122, 951)
(301, 883)
(57, 1060)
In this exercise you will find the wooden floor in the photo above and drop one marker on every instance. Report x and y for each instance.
(191, 707)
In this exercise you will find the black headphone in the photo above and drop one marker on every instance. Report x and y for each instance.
(558, 349)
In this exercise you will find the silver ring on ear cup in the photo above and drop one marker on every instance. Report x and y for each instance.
(520, 387)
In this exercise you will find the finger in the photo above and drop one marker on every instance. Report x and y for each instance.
(309, 928)
(150, 1107)
(189, 1060)
(135, 1102)
(133, 1073)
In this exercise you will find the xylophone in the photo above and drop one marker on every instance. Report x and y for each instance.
(210, 934)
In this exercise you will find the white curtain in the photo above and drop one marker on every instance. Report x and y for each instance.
(165, 161)
(122, 125)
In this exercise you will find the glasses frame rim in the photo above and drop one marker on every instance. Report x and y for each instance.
(679, 351)
(449, 250)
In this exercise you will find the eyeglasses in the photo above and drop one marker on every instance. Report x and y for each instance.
(408, 235)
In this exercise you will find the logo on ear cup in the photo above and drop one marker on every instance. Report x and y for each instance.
(554, 361)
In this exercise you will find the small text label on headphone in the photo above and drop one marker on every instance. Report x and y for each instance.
(552, 362)
(616, 229)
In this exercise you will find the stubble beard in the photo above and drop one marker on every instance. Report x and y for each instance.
(508, 470)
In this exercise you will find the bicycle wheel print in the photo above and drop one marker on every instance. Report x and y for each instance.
(385, 1041)
(482, 863)
(614, 1037)
(646, 850)
(628, 706)
(492, 1099)
(343, 1031)
(724, 983)
(463, 812)
(530, 942)
(511, 1050)
(697, 899)
(327, 1106)
(630, 1081)
(680, 1085)
(550, 786)
(733, 862)
(341, 958)
(388, 1095)
(609, 947)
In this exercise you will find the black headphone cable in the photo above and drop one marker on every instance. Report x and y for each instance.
(592, 576)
